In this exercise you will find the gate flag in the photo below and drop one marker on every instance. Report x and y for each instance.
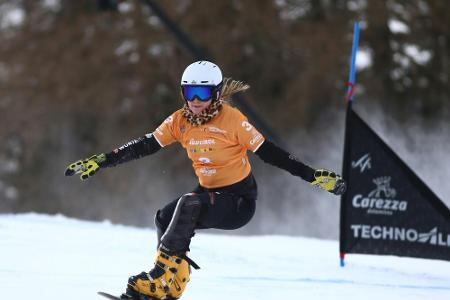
(387, 208)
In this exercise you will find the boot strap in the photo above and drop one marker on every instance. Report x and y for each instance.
(182, 256)
(190, 261)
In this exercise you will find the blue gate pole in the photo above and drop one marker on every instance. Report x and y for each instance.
(352, 73)
(345, 169)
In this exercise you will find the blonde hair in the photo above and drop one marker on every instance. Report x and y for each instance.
(231, 87)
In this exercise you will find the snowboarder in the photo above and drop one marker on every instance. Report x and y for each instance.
(216, 137)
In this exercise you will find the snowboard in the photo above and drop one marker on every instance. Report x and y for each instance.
(111, 297)
(123, 297)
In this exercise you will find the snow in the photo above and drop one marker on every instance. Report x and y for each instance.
(402, 60)
(52, 5)
(125, 47)
(154, 21)
(363, 59)
(412, 53)
(421, 57)
(11, 16)
(358, 5)
(290, 12)
(44, 257)
(156, 50)
(125, 7)
(396, 26)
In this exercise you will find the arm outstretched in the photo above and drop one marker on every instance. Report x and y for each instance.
(327, 180)
(132, 150)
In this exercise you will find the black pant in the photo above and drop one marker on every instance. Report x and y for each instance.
(228, 208)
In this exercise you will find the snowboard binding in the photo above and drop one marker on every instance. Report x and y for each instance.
(133, 296)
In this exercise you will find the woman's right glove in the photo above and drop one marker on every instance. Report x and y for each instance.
(329, 181)
(87, 167)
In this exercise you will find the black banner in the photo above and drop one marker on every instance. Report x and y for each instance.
(387, 208)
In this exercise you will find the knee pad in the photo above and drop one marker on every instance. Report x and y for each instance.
(178, 234)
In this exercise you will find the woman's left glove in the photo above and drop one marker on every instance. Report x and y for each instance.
(87, 167)
(329, 181)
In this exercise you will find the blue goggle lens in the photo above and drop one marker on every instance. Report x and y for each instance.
(202, 92)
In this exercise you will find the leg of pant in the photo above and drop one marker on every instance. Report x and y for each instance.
(178, 234)
(226, 211)
(162, 219)
(159, 229)
(164, 216)
(204, 210)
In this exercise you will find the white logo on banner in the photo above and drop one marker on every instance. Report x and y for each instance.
(377, 201)
(433, 237)
(383, 186)
(364, 163)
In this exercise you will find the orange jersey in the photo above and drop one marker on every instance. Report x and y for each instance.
(218, 149)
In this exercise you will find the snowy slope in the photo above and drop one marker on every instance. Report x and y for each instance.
(42, 257)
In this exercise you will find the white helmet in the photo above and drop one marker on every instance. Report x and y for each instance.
(202, 73)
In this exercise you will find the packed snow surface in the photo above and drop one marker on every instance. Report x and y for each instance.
(55, 258)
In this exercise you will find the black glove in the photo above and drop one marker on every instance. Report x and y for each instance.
(87, 167)
(329, 181)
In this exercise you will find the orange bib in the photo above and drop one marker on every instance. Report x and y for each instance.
(218, 149)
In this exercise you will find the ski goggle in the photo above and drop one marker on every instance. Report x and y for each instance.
(203, 93)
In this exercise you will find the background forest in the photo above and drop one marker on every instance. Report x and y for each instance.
(83, 77)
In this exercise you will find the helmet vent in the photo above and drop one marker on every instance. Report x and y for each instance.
(204, 81)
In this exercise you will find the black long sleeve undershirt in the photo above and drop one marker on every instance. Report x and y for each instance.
(132, 150)
(274, 155)
(268, 152)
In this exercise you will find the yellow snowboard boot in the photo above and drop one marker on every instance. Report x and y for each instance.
(166, 281)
